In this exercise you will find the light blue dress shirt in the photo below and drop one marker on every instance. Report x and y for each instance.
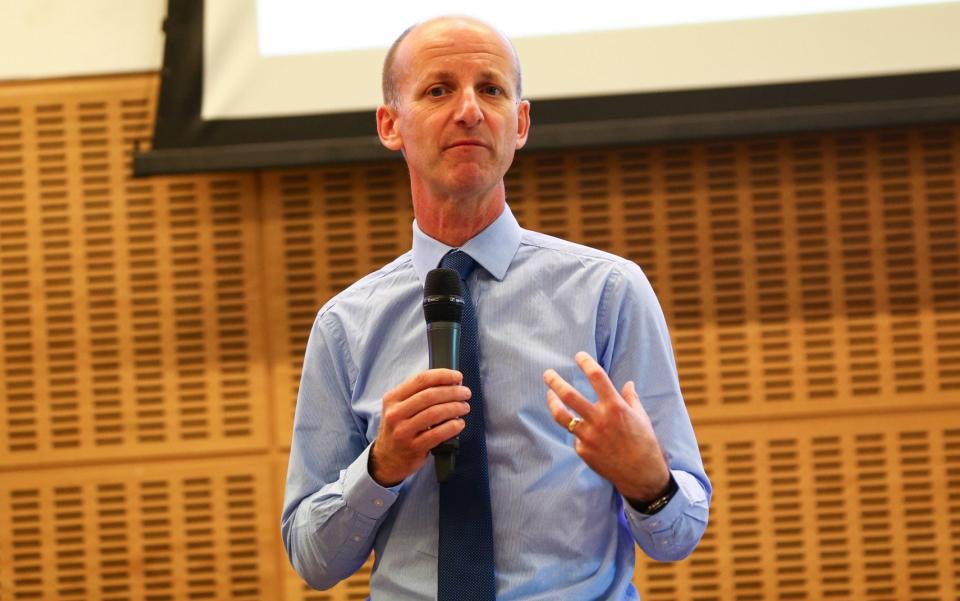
(560, 530)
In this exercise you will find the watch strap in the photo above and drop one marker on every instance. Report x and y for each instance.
(660, 502)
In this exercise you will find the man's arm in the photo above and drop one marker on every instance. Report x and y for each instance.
(638, 444)
(339, 487)
(329, 534)
(332, 507)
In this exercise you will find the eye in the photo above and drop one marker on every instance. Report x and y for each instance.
(492, 90)
(436, 91)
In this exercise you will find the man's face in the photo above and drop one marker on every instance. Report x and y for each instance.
(458, 121)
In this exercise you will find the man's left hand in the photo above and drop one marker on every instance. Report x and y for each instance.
(615, 436)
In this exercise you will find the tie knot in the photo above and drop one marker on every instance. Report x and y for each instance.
(459, 261)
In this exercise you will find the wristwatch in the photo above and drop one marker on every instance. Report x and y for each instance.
(660, 502)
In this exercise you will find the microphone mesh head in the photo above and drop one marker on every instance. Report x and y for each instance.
(442, 281)
(442, 296)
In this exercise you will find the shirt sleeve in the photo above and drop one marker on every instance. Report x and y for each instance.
(332, 507)
(634, 344)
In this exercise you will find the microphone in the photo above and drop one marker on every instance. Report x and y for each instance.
(443, 310)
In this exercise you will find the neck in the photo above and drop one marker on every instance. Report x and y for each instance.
(455, 219)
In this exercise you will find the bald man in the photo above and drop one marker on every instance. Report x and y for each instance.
(587, 445)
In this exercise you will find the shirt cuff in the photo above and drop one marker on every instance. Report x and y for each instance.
(688, 492)
(362, 494)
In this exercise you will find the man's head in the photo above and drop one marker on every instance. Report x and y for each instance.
(452, 107)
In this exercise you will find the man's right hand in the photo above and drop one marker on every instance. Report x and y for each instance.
(417, 415)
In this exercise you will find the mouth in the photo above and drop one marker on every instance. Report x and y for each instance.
(466, 144)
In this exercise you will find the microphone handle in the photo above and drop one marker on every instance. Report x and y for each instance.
(443, 344)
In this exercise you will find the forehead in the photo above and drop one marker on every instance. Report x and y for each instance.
(449, 45)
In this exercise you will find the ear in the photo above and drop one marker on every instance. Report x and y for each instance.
(387, 127)
(523, 123)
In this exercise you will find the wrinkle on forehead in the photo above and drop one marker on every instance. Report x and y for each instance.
(492, 61)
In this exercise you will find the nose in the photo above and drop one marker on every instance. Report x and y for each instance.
(469, 113)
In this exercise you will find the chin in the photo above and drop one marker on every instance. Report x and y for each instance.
(472, 179)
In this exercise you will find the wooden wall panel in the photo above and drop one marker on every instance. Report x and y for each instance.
(131, 308)
(183, 530)
(151, 334)
(323, 229)
(825, 509)
(355, 588)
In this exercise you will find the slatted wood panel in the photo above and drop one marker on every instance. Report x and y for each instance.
(812, 284)
(324, 229)
(131, 308)
(355, 588)
(826, 509)
(188, 530)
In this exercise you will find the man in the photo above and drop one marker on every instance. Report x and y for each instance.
(574, 478)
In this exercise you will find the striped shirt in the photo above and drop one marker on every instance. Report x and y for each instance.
(560, 530)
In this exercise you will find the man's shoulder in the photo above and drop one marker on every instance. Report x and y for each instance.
(592, 268)
(379, 285)
(586, 255)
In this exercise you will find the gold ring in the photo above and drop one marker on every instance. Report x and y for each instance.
(573, 424)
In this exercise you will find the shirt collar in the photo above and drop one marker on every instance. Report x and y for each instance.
(493, 248)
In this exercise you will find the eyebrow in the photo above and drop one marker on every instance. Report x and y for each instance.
(438, 75)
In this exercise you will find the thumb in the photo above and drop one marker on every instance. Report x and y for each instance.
(630, 395)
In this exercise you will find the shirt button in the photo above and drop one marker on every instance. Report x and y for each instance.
(378, 502)
(356, 538)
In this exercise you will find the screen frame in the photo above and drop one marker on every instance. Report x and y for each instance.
(184, 142)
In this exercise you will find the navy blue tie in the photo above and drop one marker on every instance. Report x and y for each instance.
(465, 558)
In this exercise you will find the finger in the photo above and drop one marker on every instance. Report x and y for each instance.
(598, 377)
(421, 381)
(558, 410)
(425, 399)
(428, 439)
(432, 417)
(568, 394)
(396, 415)
(630, 395)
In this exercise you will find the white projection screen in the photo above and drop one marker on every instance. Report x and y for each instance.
(266, 83)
